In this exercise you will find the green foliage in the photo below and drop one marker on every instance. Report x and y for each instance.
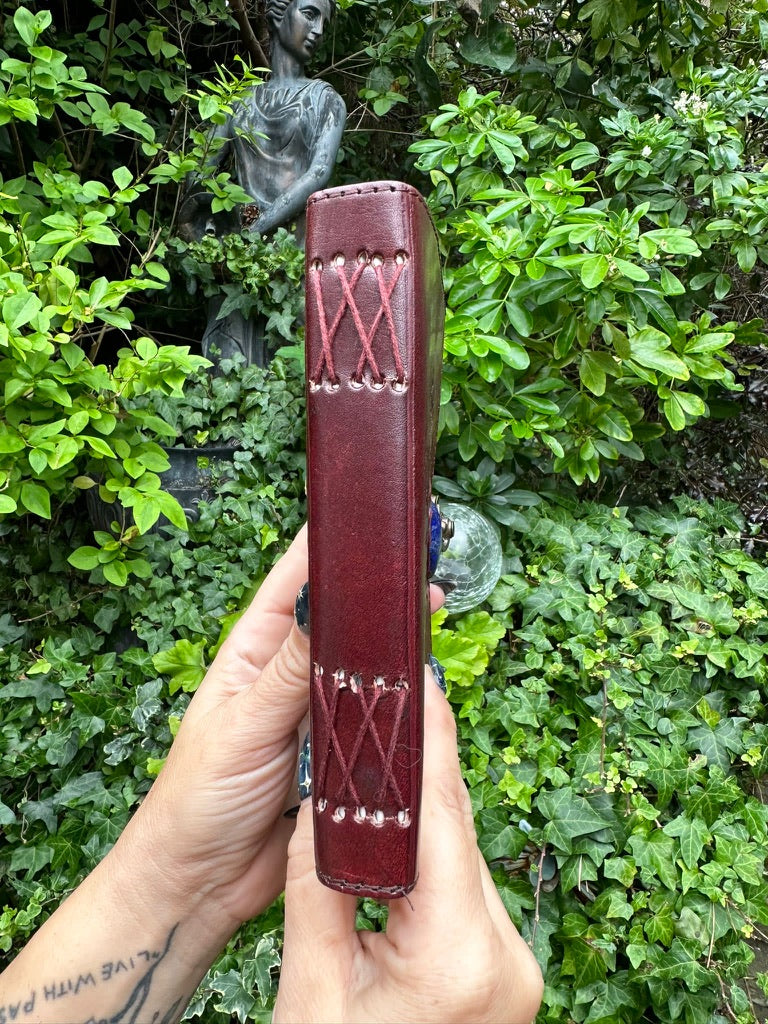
(620, 734)
(599, 185)
(67, 421)
(95, 677)
(573, 327)
(259, 276)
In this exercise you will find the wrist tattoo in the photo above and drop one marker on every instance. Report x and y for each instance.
(136, 1009)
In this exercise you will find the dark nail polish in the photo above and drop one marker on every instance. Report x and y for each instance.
(302, 610)
(446, 586)
(292, 812)
(438, 672)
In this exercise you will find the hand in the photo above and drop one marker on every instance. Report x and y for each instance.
(212, 823)
(450, 952)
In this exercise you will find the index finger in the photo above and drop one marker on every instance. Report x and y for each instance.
(259, 633)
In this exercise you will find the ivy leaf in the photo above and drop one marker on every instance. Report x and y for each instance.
(184, 663)
(583, 962)
(497, 836)
(681, 962)
(660, 926)
(481, 628)
(257, 970)
(623, 869)
(462, 658)
(570, 815)
(30, 859)
(655, 855)
(7, 817)
(235, 999)
(719, 743)
(607, 999)
(669, 769)
(693, 834)
(43, 691)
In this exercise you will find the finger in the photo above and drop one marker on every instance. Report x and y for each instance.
(259, 633)
(449, 888)
(269, 710)
(266, 622)
(316, 917)
(436, 598)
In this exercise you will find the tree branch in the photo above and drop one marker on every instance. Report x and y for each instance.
(247, 34)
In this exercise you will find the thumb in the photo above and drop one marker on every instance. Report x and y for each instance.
(320, 936)
(449, 890)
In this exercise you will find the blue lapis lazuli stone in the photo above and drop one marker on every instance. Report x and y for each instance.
(305, 770)
(435, 536)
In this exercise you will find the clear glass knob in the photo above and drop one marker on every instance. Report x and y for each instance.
(473, 560)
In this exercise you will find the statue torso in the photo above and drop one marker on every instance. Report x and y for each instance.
(276, 130)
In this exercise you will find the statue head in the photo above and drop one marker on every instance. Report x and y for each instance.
(298, 25)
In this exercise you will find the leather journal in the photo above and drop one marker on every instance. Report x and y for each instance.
(374, 324)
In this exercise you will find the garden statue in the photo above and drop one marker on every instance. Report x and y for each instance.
(281, 141)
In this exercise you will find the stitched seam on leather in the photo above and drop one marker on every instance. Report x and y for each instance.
(367, 726)
(391, 890)
(365, 335)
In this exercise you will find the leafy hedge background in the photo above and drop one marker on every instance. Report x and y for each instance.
(597, 172)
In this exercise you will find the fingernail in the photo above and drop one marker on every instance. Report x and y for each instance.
(305, 770)
(292, 812)
(438, 672)
(446, 586)
(301, 610)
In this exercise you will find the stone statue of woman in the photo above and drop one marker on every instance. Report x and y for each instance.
(280, 142)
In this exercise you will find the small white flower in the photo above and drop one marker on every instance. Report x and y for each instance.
(681, 103)
(647, 151)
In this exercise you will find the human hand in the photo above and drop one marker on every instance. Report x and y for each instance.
(449, 953)
(212, 823)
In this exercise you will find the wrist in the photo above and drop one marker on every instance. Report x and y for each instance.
(150, 884)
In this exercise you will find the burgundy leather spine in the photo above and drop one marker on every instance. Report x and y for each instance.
(374, 323)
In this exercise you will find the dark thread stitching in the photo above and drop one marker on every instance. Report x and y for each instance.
(328, 334)
(391, 890)
(368, 725)
(388, 773)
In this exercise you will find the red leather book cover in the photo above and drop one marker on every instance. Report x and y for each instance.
(374, 322)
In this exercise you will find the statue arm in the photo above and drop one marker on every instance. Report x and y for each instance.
(195, 217)
(291, 203)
